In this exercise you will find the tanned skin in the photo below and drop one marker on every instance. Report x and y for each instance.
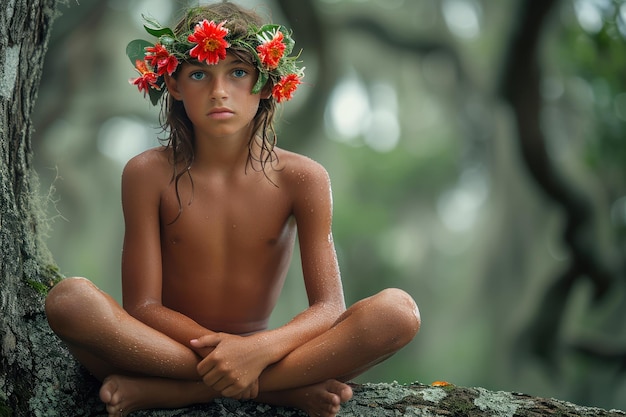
(200, 278)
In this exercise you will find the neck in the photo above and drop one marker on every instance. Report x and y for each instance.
(227, 154)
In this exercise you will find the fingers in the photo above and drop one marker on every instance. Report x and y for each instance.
(208, 340)
(231, 386)
(216, 375)
(208, 371)
(237, 392)
(227, 385)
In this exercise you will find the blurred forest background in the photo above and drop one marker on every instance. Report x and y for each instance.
(477, 150)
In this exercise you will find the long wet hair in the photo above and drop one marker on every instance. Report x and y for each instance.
(174, 120)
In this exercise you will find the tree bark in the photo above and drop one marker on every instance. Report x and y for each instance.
(394, 400)
(26, 267)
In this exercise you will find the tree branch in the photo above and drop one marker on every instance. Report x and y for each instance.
(520, 87)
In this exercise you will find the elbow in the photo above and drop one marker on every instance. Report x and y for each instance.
(332, 311)
(339, 308)
(141, 311)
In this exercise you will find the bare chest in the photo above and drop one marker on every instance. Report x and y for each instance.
(252, 213)
(227, 252)
(227, 237)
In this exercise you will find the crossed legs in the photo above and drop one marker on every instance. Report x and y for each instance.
(142, 368)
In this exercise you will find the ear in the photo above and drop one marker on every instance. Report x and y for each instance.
(172, 87)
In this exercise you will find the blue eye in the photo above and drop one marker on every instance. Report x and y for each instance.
(198, 75)
(238, 73)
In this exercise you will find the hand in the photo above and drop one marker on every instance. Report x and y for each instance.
(234, 365)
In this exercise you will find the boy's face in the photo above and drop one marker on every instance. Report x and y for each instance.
(217, 98)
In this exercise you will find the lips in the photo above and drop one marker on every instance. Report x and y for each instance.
(220, 113)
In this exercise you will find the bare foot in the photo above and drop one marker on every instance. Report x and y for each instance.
(123, 395)
(319, 400)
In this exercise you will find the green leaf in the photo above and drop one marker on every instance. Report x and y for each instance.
(156, 29)
(158, 32)
(155, 95)
(167, 40)
(260, 82)
(269, 28)
(136, 50)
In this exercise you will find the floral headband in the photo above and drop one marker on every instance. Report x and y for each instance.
(269, 45)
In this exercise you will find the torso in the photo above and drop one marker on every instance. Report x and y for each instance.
(226, 256)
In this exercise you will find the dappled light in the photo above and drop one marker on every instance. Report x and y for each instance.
(462, 17)
(358, 116)
(121, 138)
(348, 110)
(460, 207)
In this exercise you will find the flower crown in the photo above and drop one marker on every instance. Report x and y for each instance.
(269, 45)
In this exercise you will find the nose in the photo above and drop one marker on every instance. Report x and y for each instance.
(218, 88)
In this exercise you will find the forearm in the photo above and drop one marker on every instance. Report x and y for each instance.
(307, 325)
(173, 324)
(236, 363)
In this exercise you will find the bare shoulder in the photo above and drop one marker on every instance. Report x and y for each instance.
(308, 185)
(299, 170)
(151, 161)
(145, 177)
(149, 167)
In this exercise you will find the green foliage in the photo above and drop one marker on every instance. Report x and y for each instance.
(52, 277)
(38, 286)
(599, 59)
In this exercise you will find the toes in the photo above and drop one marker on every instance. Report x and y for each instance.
(106, 391)
(346, 394)
(343, 391)
(112, 397)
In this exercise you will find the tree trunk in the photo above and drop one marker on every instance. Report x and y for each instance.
(33, 363)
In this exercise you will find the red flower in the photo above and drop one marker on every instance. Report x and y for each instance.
(147, 80)
(285, 87)
(158, 57)
(211, 45)
(271, 51)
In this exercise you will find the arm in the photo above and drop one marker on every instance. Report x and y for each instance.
(142, 181)
(312, 208)
(309, 187)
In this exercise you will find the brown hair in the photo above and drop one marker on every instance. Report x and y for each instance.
(174, 119)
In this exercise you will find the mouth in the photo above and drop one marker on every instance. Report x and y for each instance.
(220, 113)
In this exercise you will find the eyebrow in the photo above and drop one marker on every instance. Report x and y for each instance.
(239, 61)
(234, 62)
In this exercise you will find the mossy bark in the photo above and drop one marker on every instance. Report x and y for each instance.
(25, 270)
(412, 400)
(71, 392)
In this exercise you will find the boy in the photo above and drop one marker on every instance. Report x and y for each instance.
(211, 220)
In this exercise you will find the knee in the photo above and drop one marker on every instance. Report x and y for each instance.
(66, 302)
(399, 316)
